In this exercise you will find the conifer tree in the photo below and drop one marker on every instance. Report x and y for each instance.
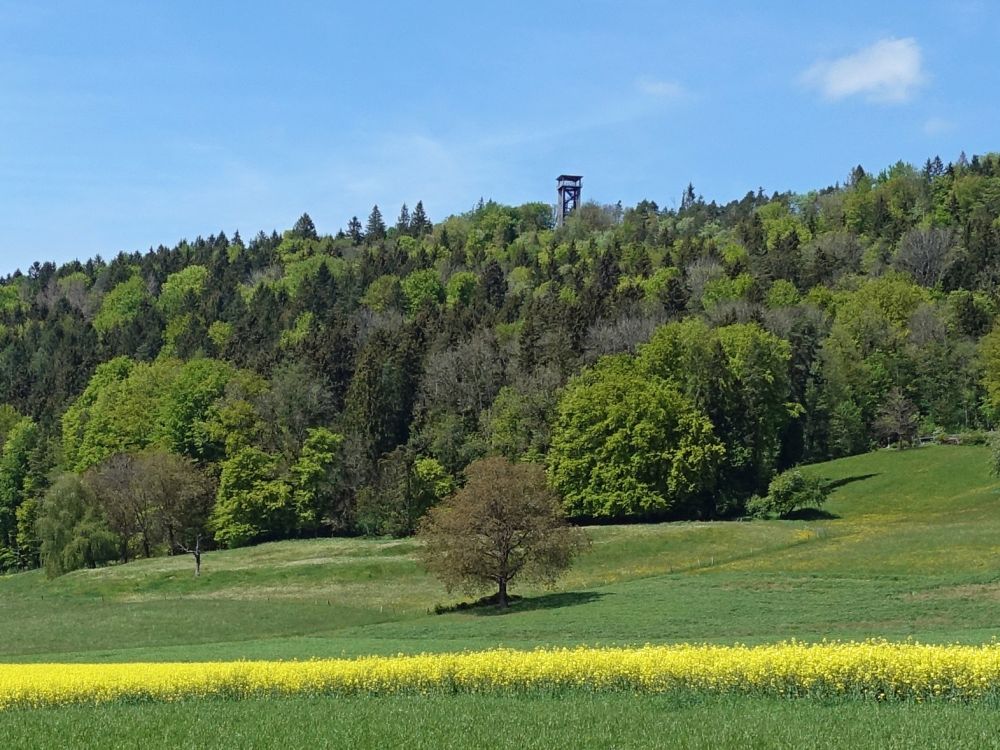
(688, 199)
(305, 228)
(375, 229)
(419, 224)
(354, 231)
(403, 222)
(494, 283)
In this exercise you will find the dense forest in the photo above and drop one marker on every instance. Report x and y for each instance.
(660, 363)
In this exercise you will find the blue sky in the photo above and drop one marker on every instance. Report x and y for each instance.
(125, 125)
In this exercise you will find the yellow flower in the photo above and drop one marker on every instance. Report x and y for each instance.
(880, 670)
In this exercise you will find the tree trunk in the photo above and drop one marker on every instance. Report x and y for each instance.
(197, 556)
(502, 594)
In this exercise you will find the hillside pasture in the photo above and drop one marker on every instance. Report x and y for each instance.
(907, 547)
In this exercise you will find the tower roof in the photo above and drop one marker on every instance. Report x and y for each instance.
(562, 177)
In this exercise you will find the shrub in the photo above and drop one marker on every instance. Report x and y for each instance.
(995, 454)
(973, 437)
(789, 491)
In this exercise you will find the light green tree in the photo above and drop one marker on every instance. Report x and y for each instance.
(385, 293)
(121, 305)
(72, 532)
(76, 418)
(254, 501)
(118, 415)
(319, 482)
(989, 358)
(738, 376)
(188, 404)
(422, 288)
(626, 443)
(461, 288)
(188, 282)
(21, 480)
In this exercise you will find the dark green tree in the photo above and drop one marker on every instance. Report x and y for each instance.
(375, 228)
(403, 222)
(355, 231)
(419, 223)
(304, 228)
(380, 400)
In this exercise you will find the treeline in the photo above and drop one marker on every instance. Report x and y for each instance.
(662, 363)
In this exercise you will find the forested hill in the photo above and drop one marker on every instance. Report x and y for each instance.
(660, 363)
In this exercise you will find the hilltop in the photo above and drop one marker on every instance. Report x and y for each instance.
(305, 385)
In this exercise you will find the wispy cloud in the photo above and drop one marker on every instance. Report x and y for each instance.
(938, 125)
(660, 88)
(887, 72)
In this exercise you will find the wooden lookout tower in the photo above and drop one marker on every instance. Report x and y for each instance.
(568, 187)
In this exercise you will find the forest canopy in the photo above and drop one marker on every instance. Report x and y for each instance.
(658, 363)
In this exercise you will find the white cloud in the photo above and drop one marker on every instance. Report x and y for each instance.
(660, 89)
(888, 71)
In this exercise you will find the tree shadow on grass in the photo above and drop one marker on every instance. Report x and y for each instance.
(834, 484)
(809, 514)
(487, 606)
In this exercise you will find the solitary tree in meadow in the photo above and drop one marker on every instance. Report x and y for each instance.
(505, 524)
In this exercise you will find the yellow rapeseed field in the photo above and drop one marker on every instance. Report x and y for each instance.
(873, 669)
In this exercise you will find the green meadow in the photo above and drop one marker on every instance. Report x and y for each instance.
(580, 721)
(907, 547)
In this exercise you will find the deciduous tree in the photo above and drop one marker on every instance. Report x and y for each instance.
(627, 443)
(72, 530)
(504, 525)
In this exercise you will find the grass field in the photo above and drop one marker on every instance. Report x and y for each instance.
(913, 550)
(910, 547)
(581, 721)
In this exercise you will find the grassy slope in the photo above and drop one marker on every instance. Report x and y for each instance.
(912, 551)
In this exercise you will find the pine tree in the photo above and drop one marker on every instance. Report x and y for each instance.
(375, 229)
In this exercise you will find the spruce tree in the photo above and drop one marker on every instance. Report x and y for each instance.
(375, 229)
(688, 199)
(494, 283)
(419, 224)
(305, 228)
(354, 231)
(403, 222)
